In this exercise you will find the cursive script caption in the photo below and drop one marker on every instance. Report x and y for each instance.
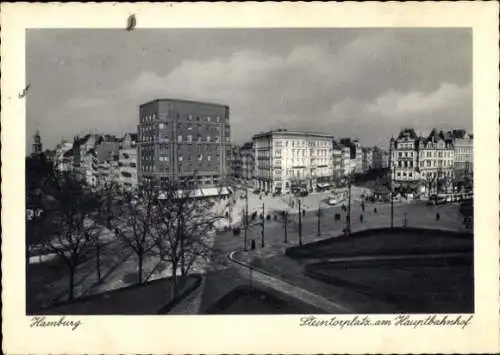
(62, 322)
(397, 321)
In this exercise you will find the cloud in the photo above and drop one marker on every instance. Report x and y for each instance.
(349, 82)
(401, 105)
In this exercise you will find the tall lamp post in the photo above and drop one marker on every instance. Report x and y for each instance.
(391, 167)
(246, 221)
(349, 183)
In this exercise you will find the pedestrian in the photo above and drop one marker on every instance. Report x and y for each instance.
(437, 216)
(304, 212)
(375, 210)
(361, 218)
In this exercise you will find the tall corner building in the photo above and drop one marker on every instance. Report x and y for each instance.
(178, 138)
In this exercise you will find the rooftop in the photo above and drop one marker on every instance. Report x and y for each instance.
(292, 133)
(183, 101)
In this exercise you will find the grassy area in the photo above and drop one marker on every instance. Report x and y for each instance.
(249, 300)
(386, 241)
(417, 285)
(149, 298)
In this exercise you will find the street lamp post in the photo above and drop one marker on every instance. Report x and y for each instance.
(319, 219)
(300, 223)
(391, 167)
(246, 221)
(263, 220)
(349, 182)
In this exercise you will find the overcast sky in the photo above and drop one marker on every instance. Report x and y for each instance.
(349, 82)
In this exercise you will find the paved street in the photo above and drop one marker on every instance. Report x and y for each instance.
(119, 266)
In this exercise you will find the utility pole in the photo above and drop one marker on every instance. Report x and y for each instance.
(349, 205)
(319, 219)
(263, 221)
(246, 221)
(300, 223)
(285, 221)
(391, 167)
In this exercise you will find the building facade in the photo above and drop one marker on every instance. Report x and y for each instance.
(247, 161)
(436, 156)
(236, 163)
(127, 161)
(338, 160)
(464, 154)
(179, 139)
(427, 160)
(63, 162)
(288, 160)
(404, 156)
(368, 159)
(356, 155)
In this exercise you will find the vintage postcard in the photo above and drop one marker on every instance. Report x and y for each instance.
(266, 178)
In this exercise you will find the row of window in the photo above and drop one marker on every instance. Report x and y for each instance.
(152, 117)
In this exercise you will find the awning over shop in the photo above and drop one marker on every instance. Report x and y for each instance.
(204, 192)
(323, 185)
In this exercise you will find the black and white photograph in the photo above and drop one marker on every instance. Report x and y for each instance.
(250, 178)
(249, 171)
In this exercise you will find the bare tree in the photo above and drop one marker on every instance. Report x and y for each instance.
(429, 181)
(183, 227)
(73, 231)
(108, 195)
(135, 222)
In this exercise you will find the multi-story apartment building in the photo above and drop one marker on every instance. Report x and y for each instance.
(356, 154)
(427, 160)
(81, 146)
(179, 139)
(247, 161)
(236, 163)
(347, 162)
(436, 158)
(63, 162)
(380, 158)
(127, 161)
(368, 159)
(286, 160)
(464, 152)
(404, 156)
(338, 160)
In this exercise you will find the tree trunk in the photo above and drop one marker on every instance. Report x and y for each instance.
(139, 267)
(98, 261)
(173, 289)
(71, 295)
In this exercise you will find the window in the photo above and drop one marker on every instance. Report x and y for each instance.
(200, 157)
(209, 158)
(190, 117)
(199, 139)
(190, 128)
(400, 154)
(208, 139)
(189, 138)
(161, 125)
(180, 158)
(218, 119)
(179, 139)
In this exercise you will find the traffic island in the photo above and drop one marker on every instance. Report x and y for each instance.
(250, 300)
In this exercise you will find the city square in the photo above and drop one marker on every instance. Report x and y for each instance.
(200, 207)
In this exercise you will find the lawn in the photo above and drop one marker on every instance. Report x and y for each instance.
(396, 241)
(249, 300)
(149, 298)
(414, 285)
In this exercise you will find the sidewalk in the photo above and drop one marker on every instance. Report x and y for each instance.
(287, 288)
